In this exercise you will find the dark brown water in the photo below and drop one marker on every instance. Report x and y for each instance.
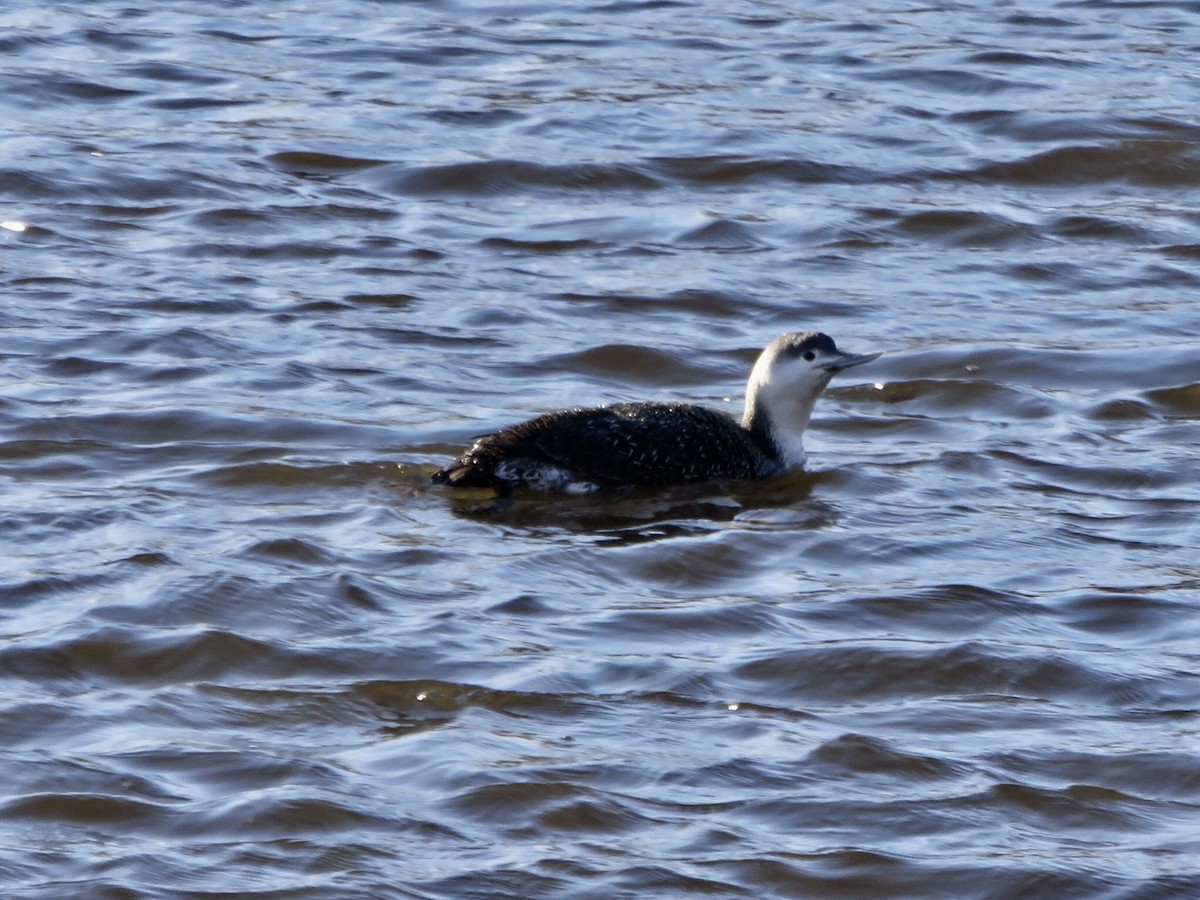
(264, 264)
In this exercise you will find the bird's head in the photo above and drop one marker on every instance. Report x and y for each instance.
(786, 381)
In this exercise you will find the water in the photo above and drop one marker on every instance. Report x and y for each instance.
(264, 266)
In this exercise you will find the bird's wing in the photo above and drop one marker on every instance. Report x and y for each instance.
(648, 443)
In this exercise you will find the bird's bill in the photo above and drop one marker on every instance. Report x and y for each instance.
(850, 360)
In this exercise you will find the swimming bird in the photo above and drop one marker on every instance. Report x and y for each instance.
(581, 450)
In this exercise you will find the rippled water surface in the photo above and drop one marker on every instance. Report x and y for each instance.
(264, 265)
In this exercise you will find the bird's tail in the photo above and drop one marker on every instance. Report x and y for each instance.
(463, 473)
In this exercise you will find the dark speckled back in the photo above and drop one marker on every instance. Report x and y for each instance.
(625, 444)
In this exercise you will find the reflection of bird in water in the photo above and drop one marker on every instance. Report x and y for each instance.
(582, 450)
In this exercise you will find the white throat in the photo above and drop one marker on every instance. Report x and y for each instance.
(791, 447)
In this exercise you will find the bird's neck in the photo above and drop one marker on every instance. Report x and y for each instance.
(778, 429)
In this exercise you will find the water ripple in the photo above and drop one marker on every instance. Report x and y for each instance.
(263, 272)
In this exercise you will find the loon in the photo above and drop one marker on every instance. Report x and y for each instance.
(659, 444)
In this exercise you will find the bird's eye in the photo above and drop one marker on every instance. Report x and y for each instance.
(809, 356)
